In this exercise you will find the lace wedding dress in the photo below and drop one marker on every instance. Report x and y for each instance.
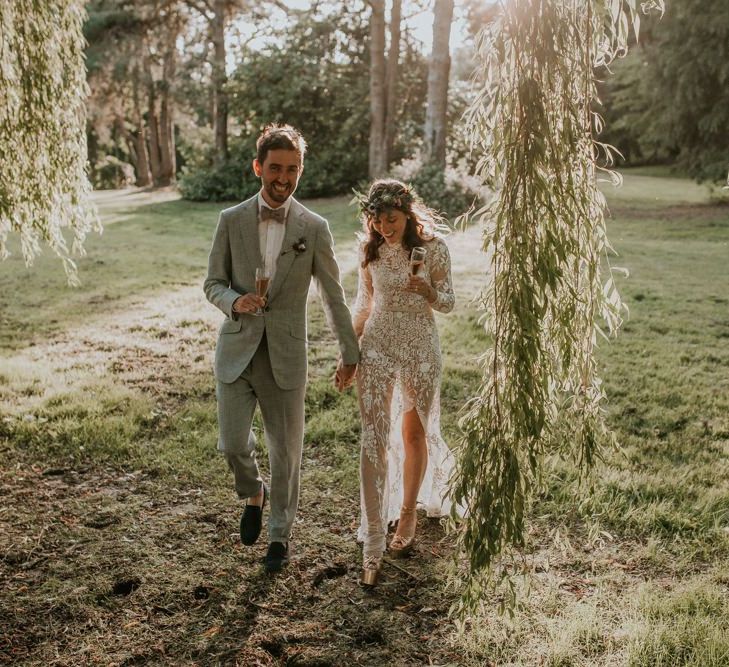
(399, 369)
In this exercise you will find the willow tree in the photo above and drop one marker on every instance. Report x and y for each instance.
(43, 187)
(550, 293)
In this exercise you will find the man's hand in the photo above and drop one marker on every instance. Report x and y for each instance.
(344, 375)
(248, 303)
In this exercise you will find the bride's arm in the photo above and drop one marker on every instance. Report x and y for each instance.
(440, 278)
(363, 304)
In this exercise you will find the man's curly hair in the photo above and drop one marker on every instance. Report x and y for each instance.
(275, 137)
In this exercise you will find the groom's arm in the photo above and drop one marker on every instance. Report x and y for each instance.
(326, 274)
(217, 284)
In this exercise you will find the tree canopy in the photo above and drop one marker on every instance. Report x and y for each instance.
(667, 101)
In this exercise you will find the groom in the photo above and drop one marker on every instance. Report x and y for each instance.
(261, 359)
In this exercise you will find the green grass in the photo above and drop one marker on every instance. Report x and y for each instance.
(147, 248)
(644, 187)
(687, 626)
(112, 483)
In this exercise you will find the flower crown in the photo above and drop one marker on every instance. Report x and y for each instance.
(382, 200)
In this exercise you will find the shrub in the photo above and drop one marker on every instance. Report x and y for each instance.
(214, 183)
(112, 173)
(451, 191)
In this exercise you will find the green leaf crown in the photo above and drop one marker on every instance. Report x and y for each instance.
(382, 200)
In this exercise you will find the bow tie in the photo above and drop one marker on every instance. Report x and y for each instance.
(273, 214)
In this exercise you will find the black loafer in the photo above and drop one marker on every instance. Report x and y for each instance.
(252, 520)
(276, 557)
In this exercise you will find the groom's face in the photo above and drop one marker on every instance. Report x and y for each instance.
(279, 174)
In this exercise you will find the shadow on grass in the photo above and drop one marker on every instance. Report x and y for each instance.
(239, 622)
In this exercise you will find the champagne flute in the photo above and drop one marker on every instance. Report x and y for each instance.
(263, 278)
(417, 258)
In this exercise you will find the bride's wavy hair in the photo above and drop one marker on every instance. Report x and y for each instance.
(385, 195)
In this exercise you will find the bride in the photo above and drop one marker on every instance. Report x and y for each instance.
(404, 276)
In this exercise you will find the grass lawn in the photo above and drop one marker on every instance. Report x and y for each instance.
(118, 526)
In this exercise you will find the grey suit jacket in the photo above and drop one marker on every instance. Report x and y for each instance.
(231, 272)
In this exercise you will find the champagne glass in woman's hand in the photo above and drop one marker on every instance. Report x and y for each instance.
(416, 281)
(417, 258)
(263, 278)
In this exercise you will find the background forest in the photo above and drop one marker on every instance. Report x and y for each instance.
(181, 88)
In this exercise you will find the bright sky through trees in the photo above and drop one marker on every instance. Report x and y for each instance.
(417, 19)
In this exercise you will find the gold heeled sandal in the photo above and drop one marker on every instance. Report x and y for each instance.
(401, 546)
(371, 570)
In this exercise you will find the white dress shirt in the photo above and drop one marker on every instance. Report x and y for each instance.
(271, 235)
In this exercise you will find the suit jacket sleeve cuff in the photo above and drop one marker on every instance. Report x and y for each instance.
(350, 357)
(227, 302)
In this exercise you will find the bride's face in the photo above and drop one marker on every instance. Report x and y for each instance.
(391, 225)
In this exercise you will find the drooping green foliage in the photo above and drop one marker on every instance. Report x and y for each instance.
(546, 245)
(44, 187)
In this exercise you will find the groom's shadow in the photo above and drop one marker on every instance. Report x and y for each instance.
(240, 621)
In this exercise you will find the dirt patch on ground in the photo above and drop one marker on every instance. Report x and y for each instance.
(113, 568)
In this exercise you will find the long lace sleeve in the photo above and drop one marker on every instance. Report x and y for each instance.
(440, 278)
(363, 304)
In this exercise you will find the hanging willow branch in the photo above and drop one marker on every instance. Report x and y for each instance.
(43, 182)
(544, 234)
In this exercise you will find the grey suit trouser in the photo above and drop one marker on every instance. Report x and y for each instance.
(283, 426)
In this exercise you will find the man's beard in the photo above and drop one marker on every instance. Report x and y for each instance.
(277, 196)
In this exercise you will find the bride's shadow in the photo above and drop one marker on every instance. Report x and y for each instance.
(413, 576)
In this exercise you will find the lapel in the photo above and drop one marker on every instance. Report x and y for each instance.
(295, 227)
(249, 233)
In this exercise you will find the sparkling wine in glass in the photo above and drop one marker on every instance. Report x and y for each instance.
(417, 258)
(263, 279)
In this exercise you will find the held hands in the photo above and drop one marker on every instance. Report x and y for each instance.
(417, 285)
(248, 303)
(344, 375)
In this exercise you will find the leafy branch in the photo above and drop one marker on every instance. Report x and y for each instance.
(546, 245)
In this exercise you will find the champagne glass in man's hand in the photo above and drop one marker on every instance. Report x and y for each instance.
(263, 278)
(417, 258)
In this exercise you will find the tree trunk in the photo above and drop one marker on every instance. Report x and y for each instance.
(141, 162)
(377, 89)
(166, 119)
(155, 160)
(438, 71)
(393, 73)
(92, 146)
(220, 97)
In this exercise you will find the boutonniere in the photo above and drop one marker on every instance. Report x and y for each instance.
(298, 247)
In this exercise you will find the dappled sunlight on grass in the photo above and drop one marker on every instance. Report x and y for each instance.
(120, 205)
(123, 527)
